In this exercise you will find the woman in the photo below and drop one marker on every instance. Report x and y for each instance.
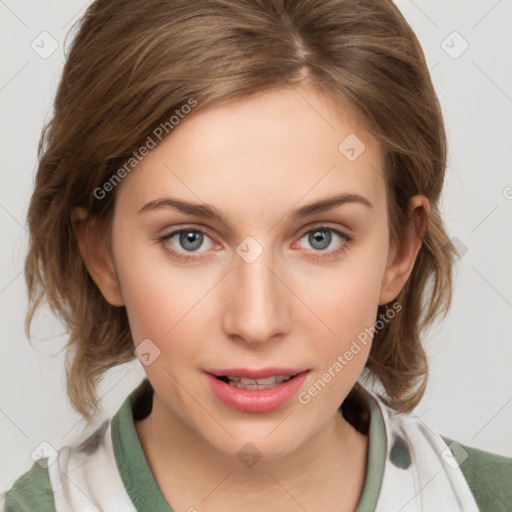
(244, 196)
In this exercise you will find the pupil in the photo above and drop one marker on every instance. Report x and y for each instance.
(190, 237)
(323, 236)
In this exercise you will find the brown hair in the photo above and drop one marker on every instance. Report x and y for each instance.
(132, 64)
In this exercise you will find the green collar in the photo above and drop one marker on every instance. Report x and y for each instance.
(143, 489)
(131, 460)
(376, 460)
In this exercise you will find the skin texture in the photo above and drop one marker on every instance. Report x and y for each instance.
(254, 159)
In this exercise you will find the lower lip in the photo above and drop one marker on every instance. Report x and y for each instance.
(256, 400)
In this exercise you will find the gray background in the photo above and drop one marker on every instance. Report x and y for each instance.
(469, 397)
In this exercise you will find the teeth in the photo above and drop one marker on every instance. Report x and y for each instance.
(246, 383)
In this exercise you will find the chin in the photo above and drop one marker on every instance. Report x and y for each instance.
(258, 443)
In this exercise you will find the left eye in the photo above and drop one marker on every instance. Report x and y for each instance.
(320, 238)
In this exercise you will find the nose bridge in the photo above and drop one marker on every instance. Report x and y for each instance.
(257, 302)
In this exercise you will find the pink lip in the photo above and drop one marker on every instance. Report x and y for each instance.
(256, 400)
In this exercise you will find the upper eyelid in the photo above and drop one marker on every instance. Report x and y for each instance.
(202, 229)
(326, 227)
(304, 230)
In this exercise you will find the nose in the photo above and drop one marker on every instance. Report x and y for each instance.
(257, 302)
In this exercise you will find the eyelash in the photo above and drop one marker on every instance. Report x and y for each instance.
(178, 256)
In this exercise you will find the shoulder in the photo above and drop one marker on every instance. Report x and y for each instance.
(87, 466)
(30, 492)
(488, 475)
(46, 485)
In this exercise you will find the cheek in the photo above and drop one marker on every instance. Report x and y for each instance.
(160, 303)
(346, 301)
(157, 295)
(346, 297)
(348, 308)
(347, 305)
(163, 309)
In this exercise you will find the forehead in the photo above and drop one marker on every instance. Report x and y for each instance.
(283, 146)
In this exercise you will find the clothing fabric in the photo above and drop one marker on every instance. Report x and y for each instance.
(410, 469)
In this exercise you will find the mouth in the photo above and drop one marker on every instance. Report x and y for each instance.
(262, 383)
(262, 378)
(256, 391)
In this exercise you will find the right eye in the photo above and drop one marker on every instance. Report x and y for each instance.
(182, 243)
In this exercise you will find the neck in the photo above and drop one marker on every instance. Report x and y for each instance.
(329, 468)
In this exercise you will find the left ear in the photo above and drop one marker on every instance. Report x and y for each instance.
(403, 254)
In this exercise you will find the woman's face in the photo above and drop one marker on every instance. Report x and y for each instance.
(269, 286)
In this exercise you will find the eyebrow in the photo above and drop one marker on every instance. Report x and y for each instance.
(210, 212)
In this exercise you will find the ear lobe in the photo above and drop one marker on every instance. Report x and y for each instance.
(403, 256)
(97, 256)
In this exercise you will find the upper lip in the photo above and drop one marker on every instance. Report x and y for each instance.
(257, 373)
